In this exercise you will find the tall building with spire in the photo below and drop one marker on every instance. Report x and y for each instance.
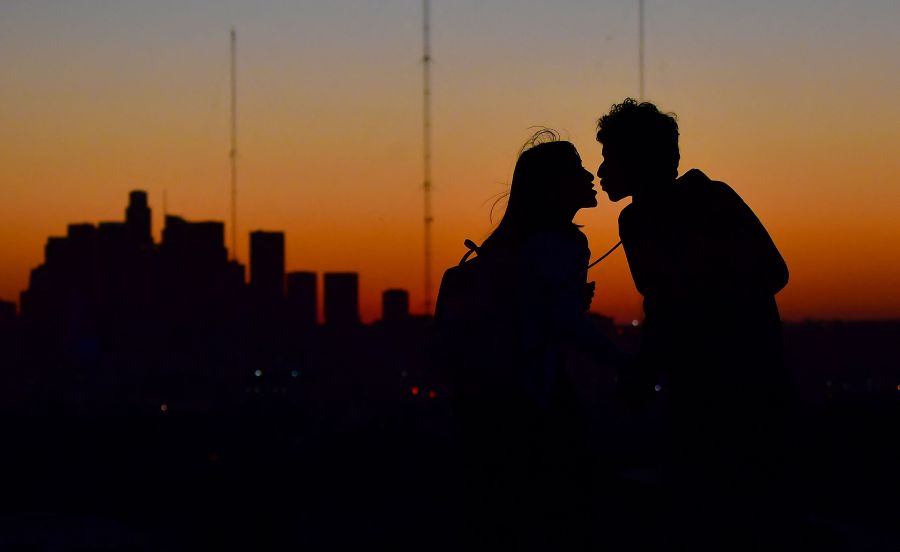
(138, 219)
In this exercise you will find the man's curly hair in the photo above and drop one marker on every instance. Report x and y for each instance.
(641, 127)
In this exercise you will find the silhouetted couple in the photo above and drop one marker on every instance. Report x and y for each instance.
(508, 319)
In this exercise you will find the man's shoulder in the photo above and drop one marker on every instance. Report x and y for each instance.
(626, 213)
(626, 217)
(695, 183)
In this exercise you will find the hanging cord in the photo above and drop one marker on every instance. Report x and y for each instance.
(605, 255)
(473, 248)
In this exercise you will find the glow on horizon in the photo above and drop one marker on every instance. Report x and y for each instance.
(794, 106)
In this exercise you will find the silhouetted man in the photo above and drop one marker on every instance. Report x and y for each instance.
(708, 271)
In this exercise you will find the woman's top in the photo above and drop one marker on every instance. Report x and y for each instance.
(524, 303)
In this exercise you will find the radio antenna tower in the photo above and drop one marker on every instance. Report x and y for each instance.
(426, 153)
(641, 50)
(233, 152)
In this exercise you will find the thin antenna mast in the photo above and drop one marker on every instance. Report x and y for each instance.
(641, 49)
(426, 142)
(233, 153)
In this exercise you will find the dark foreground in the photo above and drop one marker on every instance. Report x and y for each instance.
(259, 481)
(350, 465)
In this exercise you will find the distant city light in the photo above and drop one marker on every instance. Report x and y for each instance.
(635, 323)
(294, 373)
(164, 407)
(414, 391)
(898, 388)
(258, 373)
(432, 394)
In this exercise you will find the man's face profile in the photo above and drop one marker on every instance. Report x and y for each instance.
(617, 173)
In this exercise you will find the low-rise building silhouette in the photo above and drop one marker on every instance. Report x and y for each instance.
(302, 306)
(341, 298)
(395, 305)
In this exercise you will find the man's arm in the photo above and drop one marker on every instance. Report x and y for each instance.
(756, 259)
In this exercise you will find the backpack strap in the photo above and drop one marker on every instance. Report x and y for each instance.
(475, 248)
(472, 248)
(605, 255)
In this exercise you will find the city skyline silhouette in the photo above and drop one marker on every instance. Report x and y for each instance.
(83, 262)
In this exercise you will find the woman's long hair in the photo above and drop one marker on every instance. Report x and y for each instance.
(533, 203)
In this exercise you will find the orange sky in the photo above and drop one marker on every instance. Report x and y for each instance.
(795, 107)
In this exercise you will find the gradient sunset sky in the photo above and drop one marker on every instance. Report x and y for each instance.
(795, 104)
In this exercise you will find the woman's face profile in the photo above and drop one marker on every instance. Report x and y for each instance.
(576, 183)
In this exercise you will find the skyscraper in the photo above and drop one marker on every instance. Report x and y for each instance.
(82, 239)
(302, 306)
(138, 219)
(267, 265)
(235, 277)
(197, 242)
(193, 266)
(112, 241)
(341, 298)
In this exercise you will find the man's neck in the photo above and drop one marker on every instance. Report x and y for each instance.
(652, 189)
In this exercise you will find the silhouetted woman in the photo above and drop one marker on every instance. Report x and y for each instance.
(526, 299)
